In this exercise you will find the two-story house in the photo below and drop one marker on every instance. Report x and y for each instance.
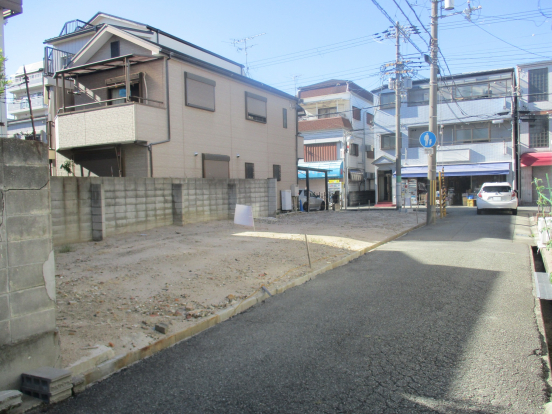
(475, 143)
(337, 132)
(132, 100)
(19, 106)
(535, 144)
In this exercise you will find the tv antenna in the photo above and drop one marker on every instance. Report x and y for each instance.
(237, 43)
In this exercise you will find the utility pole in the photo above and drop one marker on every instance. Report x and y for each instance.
(432, 156)
(346, 168)
(398, 136)
(30, 104)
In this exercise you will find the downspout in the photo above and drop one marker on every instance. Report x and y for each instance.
(168, 114)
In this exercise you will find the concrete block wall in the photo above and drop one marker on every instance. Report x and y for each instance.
(28, 337)
(85, 209)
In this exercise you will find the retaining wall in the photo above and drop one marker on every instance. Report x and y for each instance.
(85, 209)
(28, 337)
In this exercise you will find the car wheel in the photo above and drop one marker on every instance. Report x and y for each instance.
(478, 212)
(514, 212)
(306, 206)
(322, 206)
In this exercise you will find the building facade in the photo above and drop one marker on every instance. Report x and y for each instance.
(136, 101)
(19, 106)
(338, 136)
(535, 144)
(475, 143)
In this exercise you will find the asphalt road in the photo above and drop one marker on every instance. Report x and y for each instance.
(440, 321)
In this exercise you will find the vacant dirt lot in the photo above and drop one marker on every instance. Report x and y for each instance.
(115, 291)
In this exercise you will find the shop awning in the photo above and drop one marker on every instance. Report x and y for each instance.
(335, 169)
(536, 159)
(459, 170)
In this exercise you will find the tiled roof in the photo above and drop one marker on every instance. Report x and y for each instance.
(325, 123)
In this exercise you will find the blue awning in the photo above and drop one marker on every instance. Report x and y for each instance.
(459, 170)
(335, 169)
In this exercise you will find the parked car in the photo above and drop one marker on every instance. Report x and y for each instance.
(497, 196)
(316, 203)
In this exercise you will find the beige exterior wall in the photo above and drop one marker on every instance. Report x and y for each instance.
(226, 131)
(125, 48)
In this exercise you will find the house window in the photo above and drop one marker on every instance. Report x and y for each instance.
(539, 133)
(472, 91)
(387, 100)
(216, 166)
(414, 136)
(200, 92)
(277, 172)
(327, 112)
(418, 97)
(353, 150)
(117, 95)
(255, 108)
(538, 85)
(284, 117)
(356, 113)
(472, 133)
(249, 170)
(115, 49)
(369, 119)
(387, 141)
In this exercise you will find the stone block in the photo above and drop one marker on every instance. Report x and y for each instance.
(28, 301)
(3, 281)
(4, 307)
(28, 227)
(20, 152)
(25, 177)
(9, 400)
(27, 202)
(33, 324)
(5, 333)
(26, 252)
(25, 277)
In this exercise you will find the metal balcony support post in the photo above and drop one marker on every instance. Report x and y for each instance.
(127, 79)
(63, 90)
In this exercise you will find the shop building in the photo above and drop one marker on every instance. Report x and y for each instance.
(535, 145)
(475, 140)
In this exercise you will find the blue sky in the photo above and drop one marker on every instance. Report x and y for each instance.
(313, 40)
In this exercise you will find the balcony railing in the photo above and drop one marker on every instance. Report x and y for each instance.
(55, 59)
(37, 103)
(73, 26)
(311, 117)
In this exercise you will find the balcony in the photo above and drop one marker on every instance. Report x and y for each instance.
(315, 124)
(23, 106)
(125, 123)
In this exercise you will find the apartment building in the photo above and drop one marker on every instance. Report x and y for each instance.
(337, 132)
(475, 142)
(19, 106)
(133, 101)
(534, 110)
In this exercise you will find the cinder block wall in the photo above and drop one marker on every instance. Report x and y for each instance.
(28, 338)
(85, 209)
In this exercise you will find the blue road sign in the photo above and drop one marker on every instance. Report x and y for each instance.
(428, 139)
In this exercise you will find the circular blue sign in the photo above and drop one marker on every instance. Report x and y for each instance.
(428, 139)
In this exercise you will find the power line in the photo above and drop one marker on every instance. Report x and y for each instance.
(508, 43)
(411, 24)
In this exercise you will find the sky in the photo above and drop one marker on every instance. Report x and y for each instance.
(305, 42)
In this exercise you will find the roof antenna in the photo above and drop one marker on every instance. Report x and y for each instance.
(237, 42)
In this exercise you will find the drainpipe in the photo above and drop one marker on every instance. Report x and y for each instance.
(168, 115)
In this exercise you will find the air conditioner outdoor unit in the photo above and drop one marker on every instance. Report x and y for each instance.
(368, 148)
(369, 175)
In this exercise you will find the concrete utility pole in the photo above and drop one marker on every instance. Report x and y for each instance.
(398, 136)
(432, 156)
(29, 99)
(346, 168)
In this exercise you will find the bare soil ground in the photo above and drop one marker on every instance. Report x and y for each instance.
(114, 292)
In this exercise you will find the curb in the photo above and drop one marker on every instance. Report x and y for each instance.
(109, 367)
